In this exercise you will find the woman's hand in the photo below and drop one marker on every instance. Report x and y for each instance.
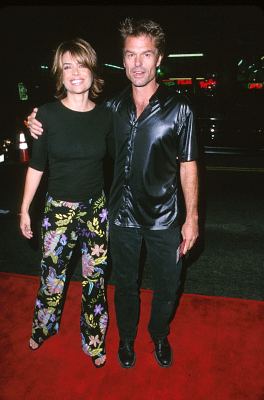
(25, 225)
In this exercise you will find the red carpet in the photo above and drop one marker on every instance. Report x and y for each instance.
(218, 352)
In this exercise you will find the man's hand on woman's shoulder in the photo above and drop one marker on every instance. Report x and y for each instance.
(34, 126)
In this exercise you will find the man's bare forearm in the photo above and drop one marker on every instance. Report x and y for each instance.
(190, 188)
(189, 183)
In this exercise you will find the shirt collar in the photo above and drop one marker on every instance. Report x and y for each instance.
(159, 97)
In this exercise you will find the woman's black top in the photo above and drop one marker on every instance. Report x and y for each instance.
(74, 145)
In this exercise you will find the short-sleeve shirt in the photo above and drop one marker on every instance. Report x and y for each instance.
(148, 152)
(73, 146)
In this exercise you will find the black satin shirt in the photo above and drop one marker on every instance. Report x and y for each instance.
(148, 151)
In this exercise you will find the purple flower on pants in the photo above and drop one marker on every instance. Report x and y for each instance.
(39, 304)
(46, 223)
(54, 283)
(103, 215)
(103, 323)
(63, 239)
(98, 309)
(52, 318)
(90, 234)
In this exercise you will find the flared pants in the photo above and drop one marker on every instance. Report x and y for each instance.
(64, 224)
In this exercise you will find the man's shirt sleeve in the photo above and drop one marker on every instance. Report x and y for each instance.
(188, 147)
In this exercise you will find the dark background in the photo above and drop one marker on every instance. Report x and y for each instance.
(30, 34)
(30, 31)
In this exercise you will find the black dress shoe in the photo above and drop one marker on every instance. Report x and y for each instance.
(163, 352)
(126, 354)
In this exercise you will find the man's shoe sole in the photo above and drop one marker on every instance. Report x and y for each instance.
(160, 364)
(127, 366)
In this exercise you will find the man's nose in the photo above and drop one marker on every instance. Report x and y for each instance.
(138, 60)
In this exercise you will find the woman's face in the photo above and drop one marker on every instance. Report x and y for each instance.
(77, 78)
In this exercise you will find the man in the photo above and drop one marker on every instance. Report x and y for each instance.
(155, 158)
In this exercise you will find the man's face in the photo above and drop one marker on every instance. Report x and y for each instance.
(141, 60)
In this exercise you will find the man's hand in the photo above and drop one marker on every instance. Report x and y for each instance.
(190, 233)
(34, 126)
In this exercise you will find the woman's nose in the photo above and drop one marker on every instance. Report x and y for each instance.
(75, 70)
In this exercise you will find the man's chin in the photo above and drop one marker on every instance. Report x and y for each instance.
(142, 82)
(139, 83)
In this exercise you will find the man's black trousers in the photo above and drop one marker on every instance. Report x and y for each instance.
(161, 246)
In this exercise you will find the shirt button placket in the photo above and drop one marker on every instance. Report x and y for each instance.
(128, 167)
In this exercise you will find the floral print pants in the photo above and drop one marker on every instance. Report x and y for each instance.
(63, 224)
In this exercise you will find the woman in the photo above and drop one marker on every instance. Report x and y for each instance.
(74, 144)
